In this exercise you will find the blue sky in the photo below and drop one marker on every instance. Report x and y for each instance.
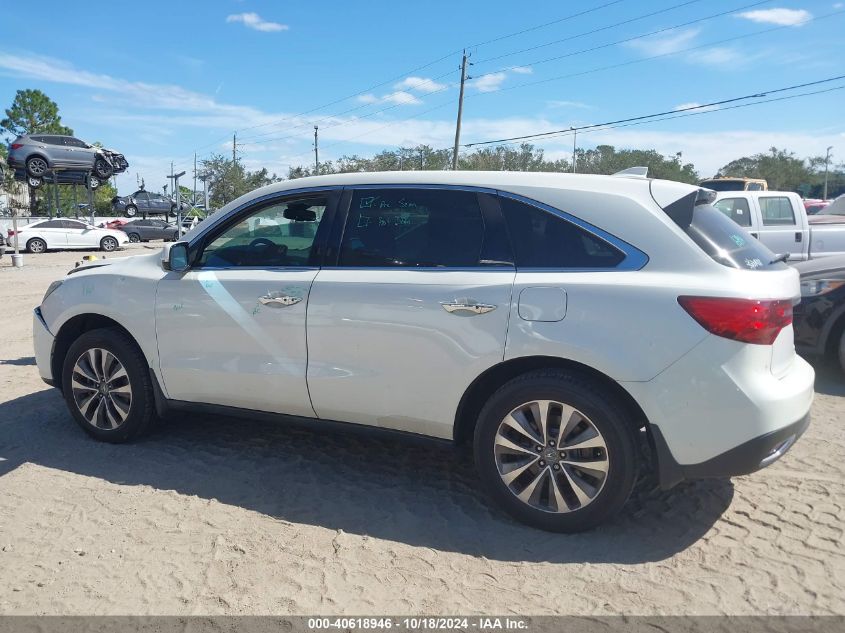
(161, 80)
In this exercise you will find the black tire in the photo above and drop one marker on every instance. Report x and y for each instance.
(842, 351)
(134, 238)
(34, 182)
(102, 169)
(131, 210)
(604, 414)
(36, 166)
(141, 413)
(93, 182)
(36, 245)
(109, 244)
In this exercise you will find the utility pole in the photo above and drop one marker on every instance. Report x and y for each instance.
(574, 141)
(234, 148)
(194, 190)
(175, 178)
(826, 161)
(422, 164)
(316, 153)
(460, 111)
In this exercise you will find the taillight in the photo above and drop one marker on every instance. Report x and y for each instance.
(10, 232)
(17, 145)
(746, 320)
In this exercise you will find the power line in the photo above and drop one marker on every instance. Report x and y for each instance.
(593, 31)
(551, 22)
(416, 69)
(676, 114)
(622, 41)
(659, 56)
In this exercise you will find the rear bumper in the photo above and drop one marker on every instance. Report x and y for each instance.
(746, 458)
(43, 342)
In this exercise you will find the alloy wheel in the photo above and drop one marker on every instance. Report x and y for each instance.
(37, 166)
(101, 389)
(109, 244)
(551, 456)
(37, 246)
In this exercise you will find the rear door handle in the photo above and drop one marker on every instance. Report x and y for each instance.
(278, 300)
(467, 308)
(798, 236)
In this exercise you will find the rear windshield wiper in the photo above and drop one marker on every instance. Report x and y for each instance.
(779, 258)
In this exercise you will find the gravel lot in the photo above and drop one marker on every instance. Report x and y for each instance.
(213, 515)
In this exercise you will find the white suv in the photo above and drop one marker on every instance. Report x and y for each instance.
(551, 320)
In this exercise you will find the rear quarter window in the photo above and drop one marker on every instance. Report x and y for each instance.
(726, 242)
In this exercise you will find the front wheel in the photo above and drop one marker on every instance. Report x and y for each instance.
(34, 182)
(842, 351)
(555, 451)
(108, 244)
(102, 169)
(36, 245)
(131, 210)
(107, 386)
(93, 182)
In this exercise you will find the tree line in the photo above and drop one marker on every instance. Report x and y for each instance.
(33, 112)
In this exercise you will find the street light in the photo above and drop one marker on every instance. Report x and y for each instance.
(826, 161)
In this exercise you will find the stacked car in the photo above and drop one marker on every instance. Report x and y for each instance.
(63, 160)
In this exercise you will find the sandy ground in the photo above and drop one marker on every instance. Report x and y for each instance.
(213, 515)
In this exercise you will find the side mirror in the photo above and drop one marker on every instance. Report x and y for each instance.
(175, 258)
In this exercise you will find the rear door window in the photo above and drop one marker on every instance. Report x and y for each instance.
(726, 242)
(776, 211)
(736, 209)
(413, 228)
(541, 239)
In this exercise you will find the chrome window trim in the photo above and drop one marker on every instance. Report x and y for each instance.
(635, 259)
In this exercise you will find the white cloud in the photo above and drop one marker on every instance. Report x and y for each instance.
(567, 104)
(400, 97)
(694, 104)
(256, 22)
(522, 70)
(838, 5)
(672, 42)
(420, 84)
(489, 82)
(717, 56)
(781, 17)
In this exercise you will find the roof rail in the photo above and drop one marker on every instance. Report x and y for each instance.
(633, 172)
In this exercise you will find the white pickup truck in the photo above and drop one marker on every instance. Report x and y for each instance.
(779, 220)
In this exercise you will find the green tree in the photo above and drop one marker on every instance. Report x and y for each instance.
(229, 179)
(33, 112)
(782, 169)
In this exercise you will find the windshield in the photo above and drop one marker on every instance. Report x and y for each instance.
(726, 242)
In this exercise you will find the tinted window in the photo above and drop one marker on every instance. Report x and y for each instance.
(54, 140)
(543, 240)
(281, 234)
(776, 211)
(754, 186)
(49, 224)
(142, 196)
(736, 209)
(724, 185)
(75, 142)
(72, 224)
(412, 227)
(725, 242)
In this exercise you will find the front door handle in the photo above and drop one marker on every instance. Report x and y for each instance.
(467, 308)
(278, 300)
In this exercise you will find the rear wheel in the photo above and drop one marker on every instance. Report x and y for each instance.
(36, 245)
(34, 182)
(93, 182)
(134, 238)
(36, 167)
(107, 386)
(555, 451)
(131, 210)
(108, 244)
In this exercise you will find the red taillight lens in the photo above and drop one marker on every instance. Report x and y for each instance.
(746, 320)
(10, 232)
(17, 145)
